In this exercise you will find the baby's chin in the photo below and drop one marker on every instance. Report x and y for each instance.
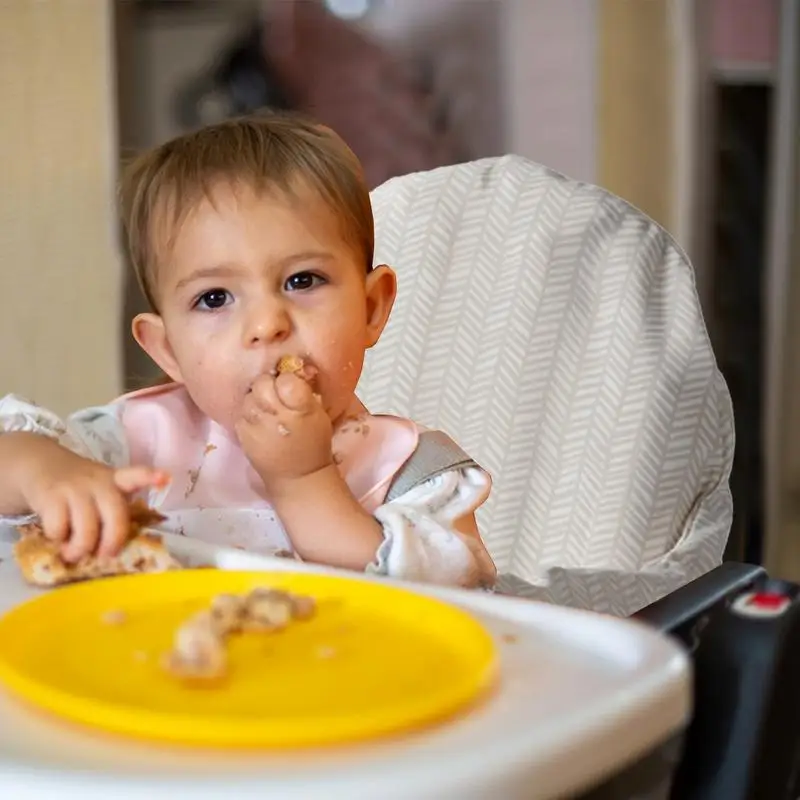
(224, 411)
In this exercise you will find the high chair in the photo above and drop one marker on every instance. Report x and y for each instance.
(554, 331)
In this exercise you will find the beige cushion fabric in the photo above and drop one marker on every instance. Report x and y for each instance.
(555, 333)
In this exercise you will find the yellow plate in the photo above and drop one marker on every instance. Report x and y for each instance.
(374, 660)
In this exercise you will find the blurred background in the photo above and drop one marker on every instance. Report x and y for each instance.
(686, 108)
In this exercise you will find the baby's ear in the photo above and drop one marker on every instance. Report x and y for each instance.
(149, 332)
(381, 292)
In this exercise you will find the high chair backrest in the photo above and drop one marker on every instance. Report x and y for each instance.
(555, 333)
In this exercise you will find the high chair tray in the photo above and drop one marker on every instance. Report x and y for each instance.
(580, 696)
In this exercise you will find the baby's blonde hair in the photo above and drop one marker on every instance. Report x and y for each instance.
(268, 152)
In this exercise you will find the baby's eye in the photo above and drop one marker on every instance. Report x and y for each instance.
(303, 281)
(213, 299)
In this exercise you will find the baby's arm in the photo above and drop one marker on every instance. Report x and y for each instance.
(22, 455)
(325, 523)
(428, 535)
(72, 475)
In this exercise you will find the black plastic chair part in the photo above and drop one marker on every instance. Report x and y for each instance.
(743, 630)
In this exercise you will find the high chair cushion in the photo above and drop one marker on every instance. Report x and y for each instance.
(555, 333)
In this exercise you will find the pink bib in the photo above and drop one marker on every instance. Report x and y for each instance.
(216, 495)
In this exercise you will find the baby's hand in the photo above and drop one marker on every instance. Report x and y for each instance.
(284, 430)
(85, 504)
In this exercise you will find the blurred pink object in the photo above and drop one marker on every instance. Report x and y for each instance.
(336, 74)
(745, 31)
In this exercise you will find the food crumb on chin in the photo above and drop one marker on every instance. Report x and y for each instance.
(283, 430)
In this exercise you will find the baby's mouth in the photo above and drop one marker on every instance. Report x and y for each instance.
(293, 365)
(296, 365)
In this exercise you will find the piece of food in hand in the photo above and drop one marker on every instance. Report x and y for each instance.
(290, 364)
(199, 652)
(142, 516)
(41, 563)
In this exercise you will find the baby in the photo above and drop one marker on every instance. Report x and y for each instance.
(253, 243)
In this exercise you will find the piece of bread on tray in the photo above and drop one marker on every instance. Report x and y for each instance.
(41, 564)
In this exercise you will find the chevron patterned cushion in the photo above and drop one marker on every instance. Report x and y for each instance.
(555, 332)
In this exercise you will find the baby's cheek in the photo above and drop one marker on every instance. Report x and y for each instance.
(215, 393)
(340, 384)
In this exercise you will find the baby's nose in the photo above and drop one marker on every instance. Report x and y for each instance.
(268, 323)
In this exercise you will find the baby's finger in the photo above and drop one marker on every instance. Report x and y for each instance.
(308, 372)
(115, 517)
(134, 479)
(84, 527)
(262, 394)
(294, 393)
(54, 518)
(251, 412)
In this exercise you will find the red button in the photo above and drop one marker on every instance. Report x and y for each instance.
(767, 600)
(761, 605)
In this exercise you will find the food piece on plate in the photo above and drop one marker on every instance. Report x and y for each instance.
(290, 364)
(199, 652)
(303, 607)
(272, 609)
(41, 564)
(267, 610)
(228, 613)
(276, 607)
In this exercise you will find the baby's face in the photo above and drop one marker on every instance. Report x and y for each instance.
(252, 278)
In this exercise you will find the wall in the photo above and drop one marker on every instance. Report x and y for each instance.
(783, 541)
(744, 32)
(550, 83)
(782, 379)
(635, 104)
(60, 274)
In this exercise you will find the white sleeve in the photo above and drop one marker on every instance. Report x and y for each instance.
(94, 433)
(422, 540)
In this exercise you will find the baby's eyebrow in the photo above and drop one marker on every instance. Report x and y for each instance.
(219, 271)
(228, 270)
(308, 255)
